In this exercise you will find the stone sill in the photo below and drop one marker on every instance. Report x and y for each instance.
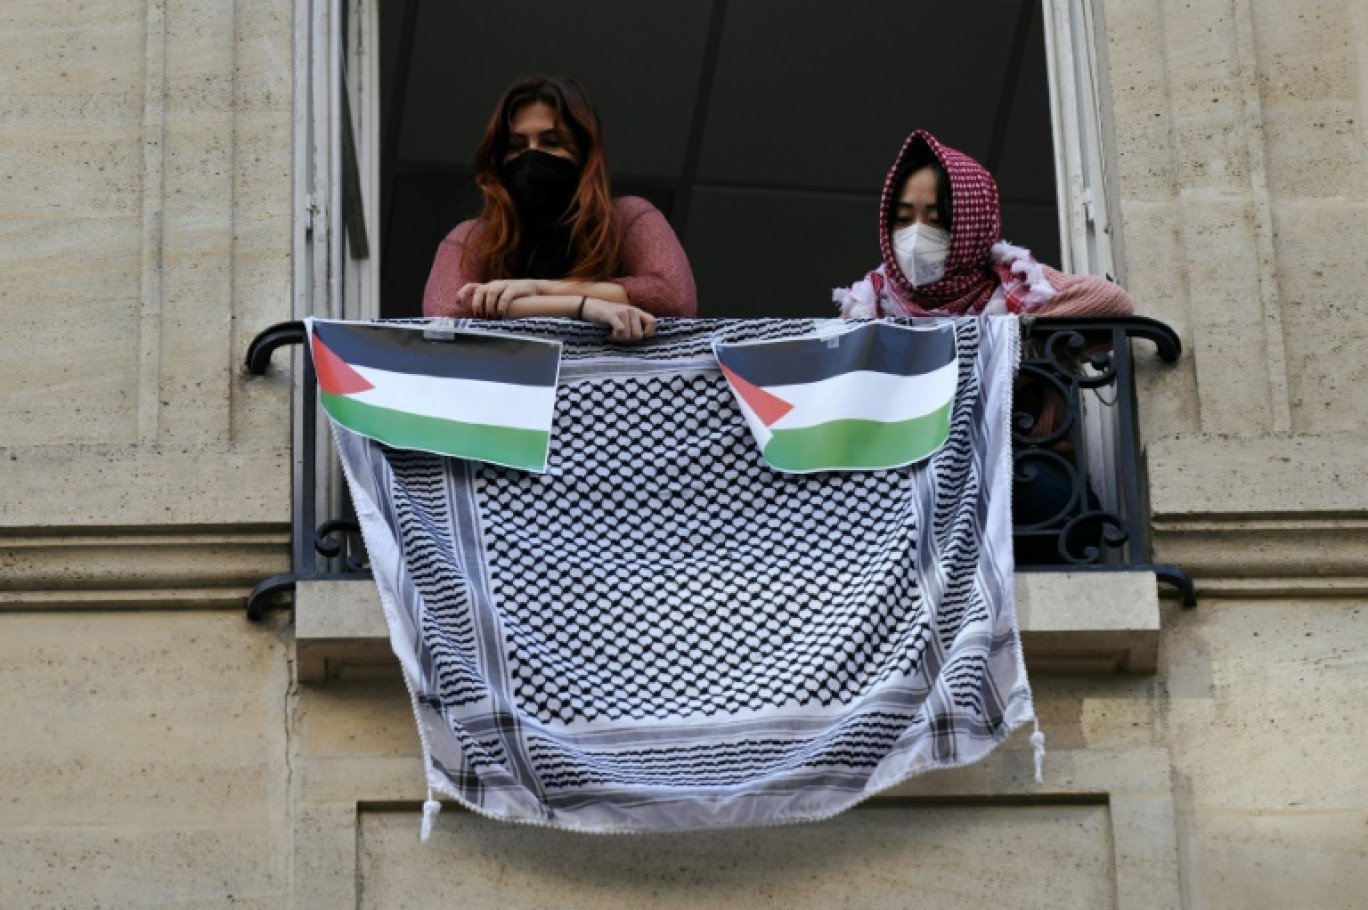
(1071, 623)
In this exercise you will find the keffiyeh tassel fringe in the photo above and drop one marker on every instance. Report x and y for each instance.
(1038, 747)
(1037, 288)
(431, 807)
(859, 301)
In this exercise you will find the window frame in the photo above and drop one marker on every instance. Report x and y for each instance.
(1075, 51)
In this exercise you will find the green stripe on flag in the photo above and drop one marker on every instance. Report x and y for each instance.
(858, 445)
(510, 446)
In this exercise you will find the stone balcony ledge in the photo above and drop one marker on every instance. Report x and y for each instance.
(1071, 623)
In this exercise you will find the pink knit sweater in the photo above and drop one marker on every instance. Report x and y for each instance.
(655, 271)
(1085, 295)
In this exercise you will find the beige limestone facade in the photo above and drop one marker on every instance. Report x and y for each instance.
(159, 750)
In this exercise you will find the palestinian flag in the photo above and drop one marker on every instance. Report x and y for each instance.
(872, 397)
(468, 394)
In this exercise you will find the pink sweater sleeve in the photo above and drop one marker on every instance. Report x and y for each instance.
(448, 275)
(656, 273)
(1085, 295)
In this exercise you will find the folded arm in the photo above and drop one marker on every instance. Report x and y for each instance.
(656, 281)
(655, 271)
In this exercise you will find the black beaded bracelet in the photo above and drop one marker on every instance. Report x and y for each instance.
(579, 314)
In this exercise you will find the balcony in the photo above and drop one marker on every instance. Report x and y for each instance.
(1087, 594)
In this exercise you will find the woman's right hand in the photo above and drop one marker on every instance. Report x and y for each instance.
(627, 323)
(491, 299)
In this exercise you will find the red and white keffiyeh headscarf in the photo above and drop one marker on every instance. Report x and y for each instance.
(983, 275)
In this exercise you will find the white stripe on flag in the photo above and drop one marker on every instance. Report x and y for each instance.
(757, 426)
(466, 400)
(865, 395)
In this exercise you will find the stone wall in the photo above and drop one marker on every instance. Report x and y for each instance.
(145, 167)
(160, 751)
(1243, 181)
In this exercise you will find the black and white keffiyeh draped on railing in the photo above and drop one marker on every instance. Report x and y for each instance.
(662, 632)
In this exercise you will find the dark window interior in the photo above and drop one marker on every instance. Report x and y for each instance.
(762, 128)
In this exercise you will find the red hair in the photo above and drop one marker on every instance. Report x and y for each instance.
(594, 238)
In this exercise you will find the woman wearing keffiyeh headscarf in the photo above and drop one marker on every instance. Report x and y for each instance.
(943, 255)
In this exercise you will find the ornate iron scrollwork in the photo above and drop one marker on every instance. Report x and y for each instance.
(1065, 517)
(339, 537)
(265, 343)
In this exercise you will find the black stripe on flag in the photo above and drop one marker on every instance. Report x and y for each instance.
(470, 355)
(876, 347)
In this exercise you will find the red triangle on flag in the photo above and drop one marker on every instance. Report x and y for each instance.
(335, 377)
(767, 407)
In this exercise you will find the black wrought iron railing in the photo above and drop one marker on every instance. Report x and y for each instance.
(1077, 485)
(1078, 500)
(322, 545)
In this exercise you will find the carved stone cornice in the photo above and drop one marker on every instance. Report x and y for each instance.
(122, 568)
(1270, 516)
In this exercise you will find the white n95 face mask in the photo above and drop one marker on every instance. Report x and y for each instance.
(920, 250)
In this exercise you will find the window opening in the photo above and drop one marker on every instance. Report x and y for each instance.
(762, 129)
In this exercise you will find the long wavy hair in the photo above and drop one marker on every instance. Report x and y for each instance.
(595, 240)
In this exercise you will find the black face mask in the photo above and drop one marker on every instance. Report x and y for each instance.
(542, 185)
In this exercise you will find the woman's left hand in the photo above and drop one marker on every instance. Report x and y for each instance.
(624, 321)
(492, 299)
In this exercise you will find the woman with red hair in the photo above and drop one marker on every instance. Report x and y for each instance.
(550, 240)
